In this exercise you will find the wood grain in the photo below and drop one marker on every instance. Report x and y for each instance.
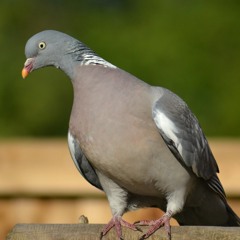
(92, 232)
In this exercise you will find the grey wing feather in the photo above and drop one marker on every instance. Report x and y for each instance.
(82, 163)
(184, 137)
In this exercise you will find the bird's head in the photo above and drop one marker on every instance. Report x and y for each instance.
(49, 48)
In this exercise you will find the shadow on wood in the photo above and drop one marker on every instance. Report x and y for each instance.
(92, 232)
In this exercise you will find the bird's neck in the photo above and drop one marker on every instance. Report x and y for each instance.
(81, 55)
(93, 59)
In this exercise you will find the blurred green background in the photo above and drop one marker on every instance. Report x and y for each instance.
(190, 47)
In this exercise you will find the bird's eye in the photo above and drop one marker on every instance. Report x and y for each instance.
(42, 45)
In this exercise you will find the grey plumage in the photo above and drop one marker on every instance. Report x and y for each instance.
(140, 144)
(81, 162)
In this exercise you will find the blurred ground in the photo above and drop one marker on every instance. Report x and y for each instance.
(40, 184)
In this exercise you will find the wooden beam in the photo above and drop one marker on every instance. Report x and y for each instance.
(92, 232)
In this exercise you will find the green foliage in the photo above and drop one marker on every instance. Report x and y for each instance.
(190, 47)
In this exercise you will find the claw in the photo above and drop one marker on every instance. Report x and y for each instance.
(155, 225)
(138, 229)
(118, 222)
(142, 237)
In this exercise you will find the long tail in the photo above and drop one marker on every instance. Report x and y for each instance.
(206, 208)
(233, 220)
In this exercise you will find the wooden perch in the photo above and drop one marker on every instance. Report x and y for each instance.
(92, 232)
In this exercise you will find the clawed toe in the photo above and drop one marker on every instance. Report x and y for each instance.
(155, 225)
(138, 229)
(118, 222)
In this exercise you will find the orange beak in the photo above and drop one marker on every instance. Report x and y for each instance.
(28, 65)
(24, 73)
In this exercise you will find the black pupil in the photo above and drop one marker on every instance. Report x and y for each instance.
(41, 45)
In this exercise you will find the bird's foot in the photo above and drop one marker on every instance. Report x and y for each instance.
(118, 222)
(156, 224)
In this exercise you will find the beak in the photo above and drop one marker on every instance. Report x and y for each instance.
(28, 66)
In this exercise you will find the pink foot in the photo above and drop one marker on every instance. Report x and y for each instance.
(155, 225)
(118, 222)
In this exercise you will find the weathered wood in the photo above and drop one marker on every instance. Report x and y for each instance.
(92, 232)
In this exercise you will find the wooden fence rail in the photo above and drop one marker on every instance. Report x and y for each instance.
(39, 183)
(92, 232)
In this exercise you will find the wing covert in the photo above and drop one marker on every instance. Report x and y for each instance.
(183, 135)
(82, 163)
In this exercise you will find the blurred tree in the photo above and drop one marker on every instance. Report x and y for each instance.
(190, 47)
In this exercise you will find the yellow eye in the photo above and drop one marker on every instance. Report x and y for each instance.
(42, 45)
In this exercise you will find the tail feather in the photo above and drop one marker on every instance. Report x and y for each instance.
(201, 217)
(234, 220)
(206, 208)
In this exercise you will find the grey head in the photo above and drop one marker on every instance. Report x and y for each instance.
(53, 48)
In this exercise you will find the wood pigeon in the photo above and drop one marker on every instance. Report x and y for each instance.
(138, 143)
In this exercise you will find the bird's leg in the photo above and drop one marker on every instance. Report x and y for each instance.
(156, 224)
(175, 202)
(118, 222)
(117, 197)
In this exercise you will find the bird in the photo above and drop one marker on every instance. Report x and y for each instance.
(140, 144)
